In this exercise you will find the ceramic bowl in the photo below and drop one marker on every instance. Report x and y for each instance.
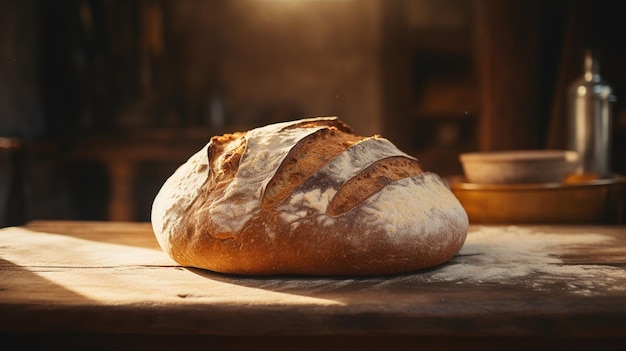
(518, 167)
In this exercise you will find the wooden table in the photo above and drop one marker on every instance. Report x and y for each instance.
(107, 285)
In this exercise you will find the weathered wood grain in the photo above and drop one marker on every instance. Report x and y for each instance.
(108, 285)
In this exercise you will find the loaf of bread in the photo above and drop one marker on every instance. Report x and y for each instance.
(306, 197)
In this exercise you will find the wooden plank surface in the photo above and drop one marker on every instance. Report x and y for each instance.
(511, 287)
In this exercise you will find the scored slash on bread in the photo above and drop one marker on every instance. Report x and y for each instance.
(304, 159)
(306, 197)
(370, 181)
(319, 148)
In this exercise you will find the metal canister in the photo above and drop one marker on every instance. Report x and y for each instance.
(590, 119)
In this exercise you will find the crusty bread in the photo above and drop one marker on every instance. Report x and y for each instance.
(306, 197)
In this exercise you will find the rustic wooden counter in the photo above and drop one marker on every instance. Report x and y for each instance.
(107, 285)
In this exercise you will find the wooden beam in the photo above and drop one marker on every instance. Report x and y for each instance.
(507, 66)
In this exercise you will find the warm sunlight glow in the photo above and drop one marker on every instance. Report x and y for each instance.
(73, 270)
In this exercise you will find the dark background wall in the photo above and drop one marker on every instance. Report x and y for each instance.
(101, 100)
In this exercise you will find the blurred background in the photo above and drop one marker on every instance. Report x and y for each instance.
(101, 100)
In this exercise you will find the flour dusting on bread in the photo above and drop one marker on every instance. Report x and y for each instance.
(307, 197)
(178, 192)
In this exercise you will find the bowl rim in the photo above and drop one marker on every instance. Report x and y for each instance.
(460, 182)
(516, 156)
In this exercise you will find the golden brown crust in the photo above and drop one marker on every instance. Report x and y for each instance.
(370, 181)
(306, 197)
(305, 158)
(224, 154)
